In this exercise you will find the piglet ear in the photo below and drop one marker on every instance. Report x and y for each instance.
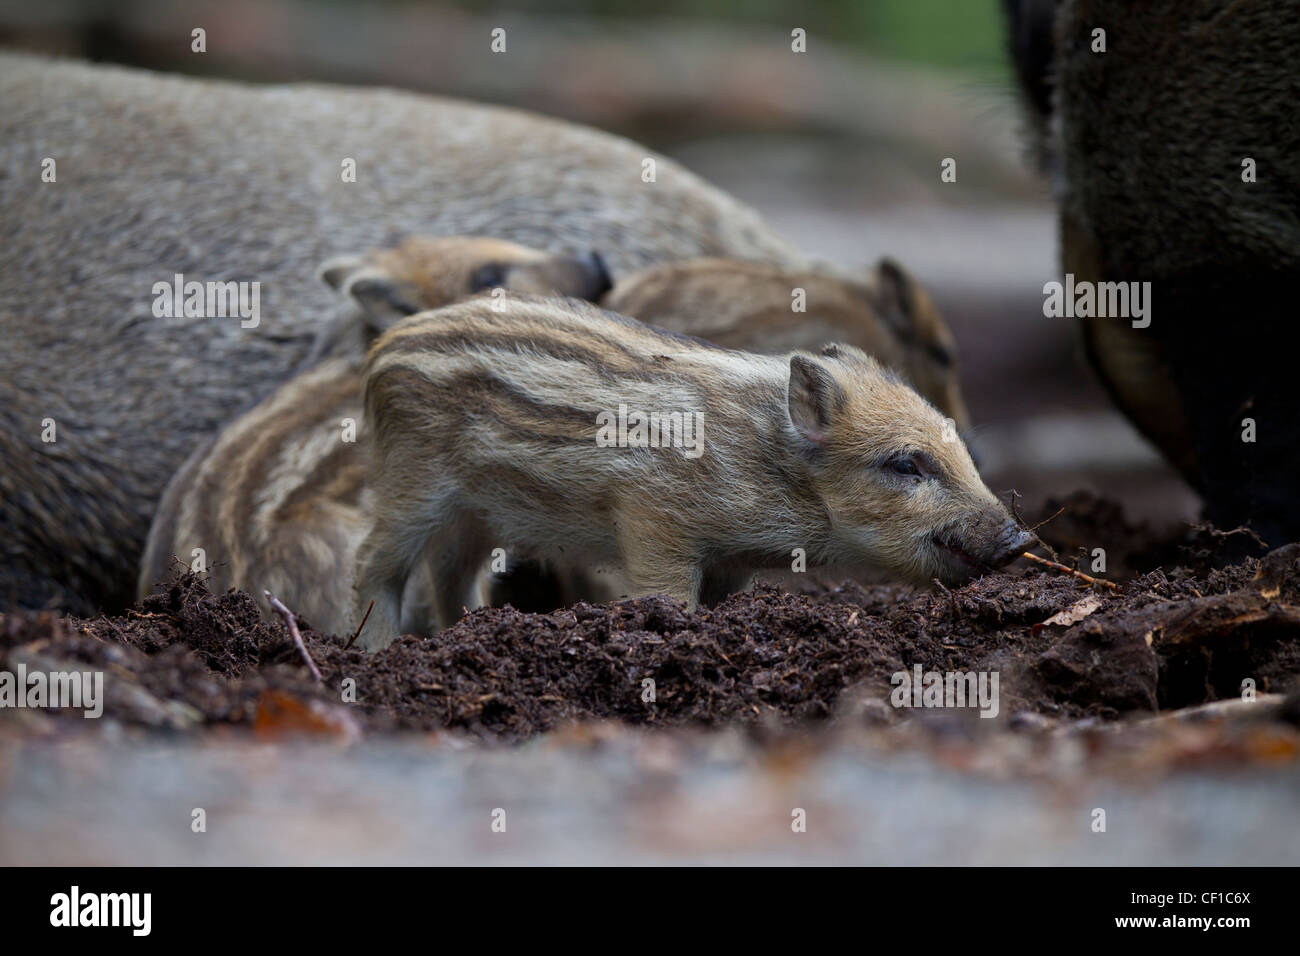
(383, 299)
(896, 298)
(335, 272)
(813, 398)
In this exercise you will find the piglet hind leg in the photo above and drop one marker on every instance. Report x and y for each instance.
(455, 557)
(385, 561)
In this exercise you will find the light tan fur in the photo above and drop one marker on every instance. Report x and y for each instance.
(484, 431)
(275, 499)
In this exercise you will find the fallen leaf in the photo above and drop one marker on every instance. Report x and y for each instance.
(282, 714)
(1071, 615)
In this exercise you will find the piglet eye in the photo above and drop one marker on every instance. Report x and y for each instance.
(904, 465)
(490, 276)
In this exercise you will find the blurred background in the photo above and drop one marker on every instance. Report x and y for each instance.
(839, 147)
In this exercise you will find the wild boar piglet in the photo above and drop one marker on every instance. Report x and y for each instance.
(552, 429)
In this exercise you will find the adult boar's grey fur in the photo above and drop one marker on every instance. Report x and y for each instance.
(161, 175)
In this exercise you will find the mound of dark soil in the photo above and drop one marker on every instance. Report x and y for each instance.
(186, 658)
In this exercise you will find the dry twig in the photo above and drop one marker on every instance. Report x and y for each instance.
(1078, 574)
(292, 624)
(357, 632)
(1045, 520)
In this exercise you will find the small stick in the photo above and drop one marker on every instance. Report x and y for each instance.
(357, 632)
(1078, 574)
(1045, 520)
(952, 597)
(1015, 498)
(292, 623)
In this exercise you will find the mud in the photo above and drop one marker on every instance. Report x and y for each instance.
(187, 660)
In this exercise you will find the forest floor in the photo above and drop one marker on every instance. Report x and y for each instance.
(781, 691)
